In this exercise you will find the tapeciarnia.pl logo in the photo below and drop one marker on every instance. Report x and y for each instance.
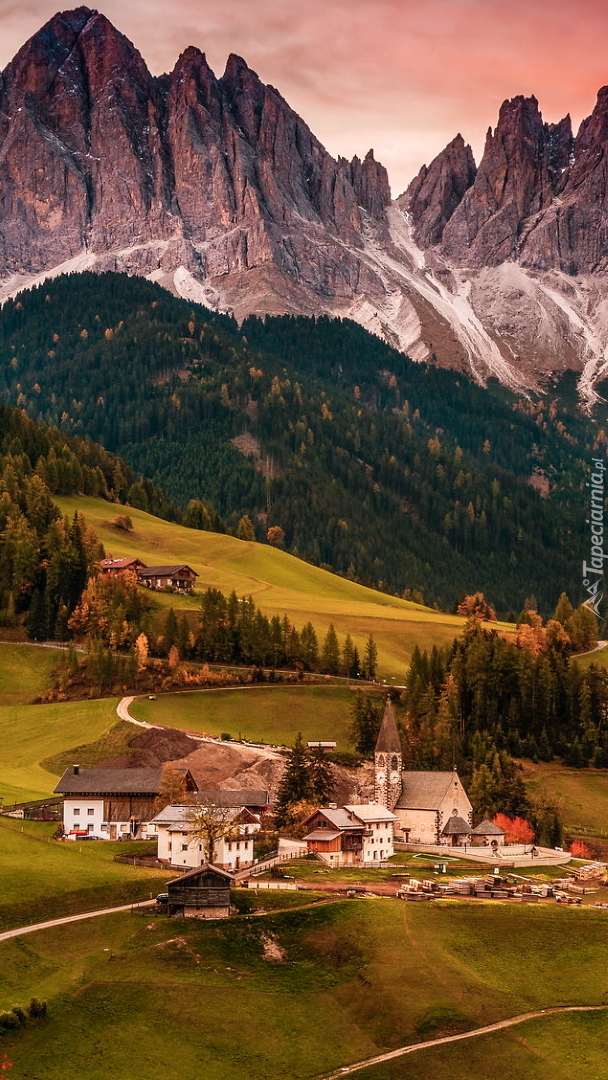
(593, 571)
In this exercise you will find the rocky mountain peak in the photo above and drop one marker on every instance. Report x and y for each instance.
(435, 193)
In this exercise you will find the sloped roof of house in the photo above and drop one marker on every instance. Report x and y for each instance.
(112, 781)
(199, 870)
(371, 812)
(323, 834)
(340, 817)
(425, 790)
(121, 564)
(456, 826)
(177, 816)
(487, 828)
(388, 741)
(165, 571)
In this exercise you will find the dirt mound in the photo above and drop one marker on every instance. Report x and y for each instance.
(152, 747)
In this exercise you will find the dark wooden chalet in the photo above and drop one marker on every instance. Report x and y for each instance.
(116, 566)
(172, 578)
(202, 893)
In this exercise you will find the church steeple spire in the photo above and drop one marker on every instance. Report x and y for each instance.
(388, 760)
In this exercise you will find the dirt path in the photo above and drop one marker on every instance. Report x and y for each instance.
(72, 918)
(124, 713)
(500, 1025)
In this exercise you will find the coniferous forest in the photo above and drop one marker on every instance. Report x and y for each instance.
(396, 474)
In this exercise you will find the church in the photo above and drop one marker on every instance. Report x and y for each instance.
(432, 807)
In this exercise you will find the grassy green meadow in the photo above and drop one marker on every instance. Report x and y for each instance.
(257, 713)
(25, 672)
(30, 734)
(582, 793)
(45, 879)
(568, 1047)
(277, 581)
(130, 995)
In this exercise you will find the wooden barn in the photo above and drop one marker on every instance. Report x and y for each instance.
(117, 566)
(202, 893)
(179, 579)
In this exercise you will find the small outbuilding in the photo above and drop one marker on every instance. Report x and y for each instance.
(456, 830)
(202, 893)
(487, 833)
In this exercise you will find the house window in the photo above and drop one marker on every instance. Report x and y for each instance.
(91, 811)
(184, 847)
(76, 811)
(169, 847)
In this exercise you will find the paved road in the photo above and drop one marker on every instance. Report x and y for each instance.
(71, 918)
(499, 1026)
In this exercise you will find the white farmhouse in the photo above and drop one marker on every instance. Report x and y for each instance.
(112, 804)
(351, 835)
(177, 847)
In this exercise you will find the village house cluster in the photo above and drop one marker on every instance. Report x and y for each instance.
(412, 807)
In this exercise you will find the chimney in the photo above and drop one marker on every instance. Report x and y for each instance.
(76, 770)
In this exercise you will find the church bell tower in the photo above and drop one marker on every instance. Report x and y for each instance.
(388, 761)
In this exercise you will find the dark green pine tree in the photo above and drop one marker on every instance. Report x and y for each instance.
(330, 657)
(370, 658)
(321, 777)
(170, 632)
(366, 714)
(296, 784)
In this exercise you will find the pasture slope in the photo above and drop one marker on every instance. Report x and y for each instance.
(278, 582)
(313, 989)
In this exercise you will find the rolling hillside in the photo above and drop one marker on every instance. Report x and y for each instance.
(389, 472)
(278, 583)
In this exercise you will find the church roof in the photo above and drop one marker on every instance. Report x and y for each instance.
(424, 790)
(388, 736)
(456, 826)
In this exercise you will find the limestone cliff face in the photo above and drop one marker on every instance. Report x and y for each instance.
(517, 179)
(98, 156)
(437, 191)
(217, 189)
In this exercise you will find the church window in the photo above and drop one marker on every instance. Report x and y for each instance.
(380, 759)
(394, 763)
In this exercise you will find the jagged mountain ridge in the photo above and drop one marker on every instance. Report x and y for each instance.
(218, 190)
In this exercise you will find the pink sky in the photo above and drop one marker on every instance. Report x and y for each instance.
(401, 76)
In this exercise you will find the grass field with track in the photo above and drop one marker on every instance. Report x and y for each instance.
(46, 879)
(131, 995)
(271, 714)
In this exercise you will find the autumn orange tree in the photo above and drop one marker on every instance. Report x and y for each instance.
(112, 609)
(517, 830)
